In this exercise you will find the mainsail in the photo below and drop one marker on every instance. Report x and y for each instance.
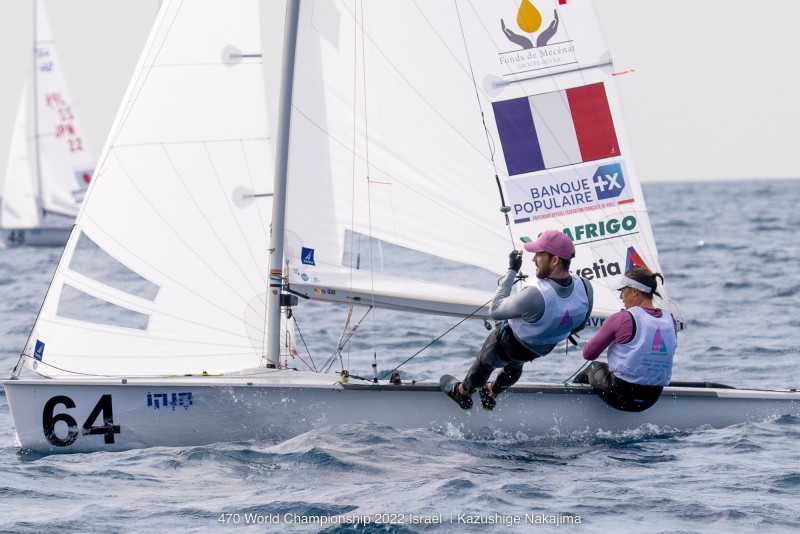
(409, 133)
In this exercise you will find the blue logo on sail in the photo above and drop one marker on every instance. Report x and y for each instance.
(609, 181)
(307, 256)
(38, 352)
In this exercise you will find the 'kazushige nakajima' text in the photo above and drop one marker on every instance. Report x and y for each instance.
(511, 520)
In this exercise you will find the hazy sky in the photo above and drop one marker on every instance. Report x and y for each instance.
(713, 95)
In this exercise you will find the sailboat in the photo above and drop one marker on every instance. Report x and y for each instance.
(43, 191)
(446, 130)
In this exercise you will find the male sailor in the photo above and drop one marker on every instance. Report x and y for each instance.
(531, 321)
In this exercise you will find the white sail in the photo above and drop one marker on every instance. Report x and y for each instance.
(20, 207)
(401, 154)
(566, 161)
(165, 272)
(65, 162)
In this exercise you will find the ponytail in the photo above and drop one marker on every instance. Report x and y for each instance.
(646, 277)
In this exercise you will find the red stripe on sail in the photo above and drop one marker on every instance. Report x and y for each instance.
(594, 127)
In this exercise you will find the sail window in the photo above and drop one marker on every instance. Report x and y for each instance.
(90, 260)
(362, 252)
(75, 304)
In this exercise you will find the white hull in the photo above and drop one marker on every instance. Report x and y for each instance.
(35, 237)
(268, 405)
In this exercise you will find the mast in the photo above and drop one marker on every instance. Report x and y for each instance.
(279, 189)
(38, 156)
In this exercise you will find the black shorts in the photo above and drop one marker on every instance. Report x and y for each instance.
(513, 349)
(617, 392)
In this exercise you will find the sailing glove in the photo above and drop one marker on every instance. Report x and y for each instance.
(515, 260)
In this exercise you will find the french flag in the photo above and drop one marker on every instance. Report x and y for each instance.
(555, 129)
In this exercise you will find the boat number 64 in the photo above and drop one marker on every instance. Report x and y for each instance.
(49, 420)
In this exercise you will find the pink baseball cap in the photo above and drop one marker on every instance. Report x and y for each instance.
(553, 242)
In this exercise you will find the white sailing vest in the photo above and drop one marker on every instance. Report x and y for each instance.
(647, 358)
(561, 315)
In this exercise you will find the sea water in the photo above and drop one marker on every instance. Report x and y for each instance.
(730, 254)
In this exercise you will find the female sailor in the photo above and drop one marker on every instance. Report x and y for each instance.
(641, 342)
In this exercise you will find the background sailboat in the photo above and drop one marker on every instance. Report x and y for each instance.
(155, 333)
(44, 186)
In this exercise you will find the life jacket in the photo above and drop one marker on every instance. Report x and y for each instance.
(647, 358)
(560, 317)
